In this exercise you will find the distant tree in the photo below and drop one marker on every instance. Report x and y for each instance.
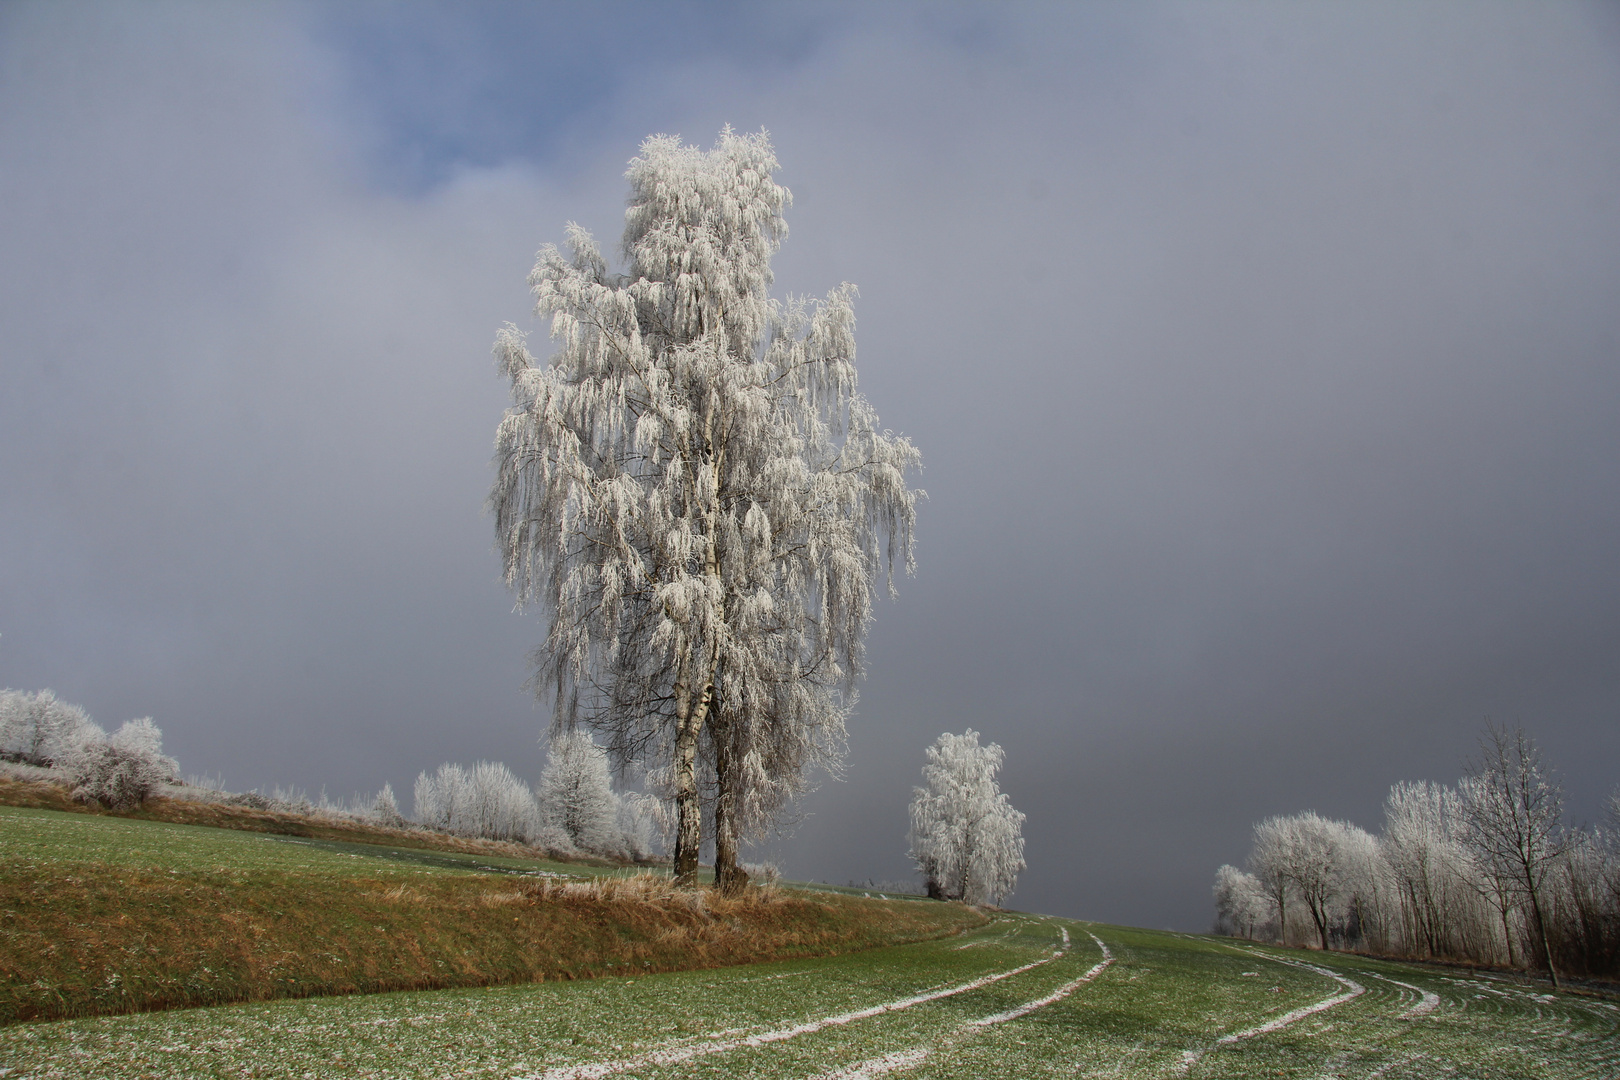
(1513, 816)
(696, 495)
(1268, 861)
(39, 729)
(1425, 859)
(1366, 887)
(385, 808)
(965, 834)
(1316, 865)
(1241, 904)
(576, 793)
(485, 801)
(122, 771)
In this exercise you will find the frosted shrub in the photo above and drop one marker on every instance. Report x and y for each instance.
(766, 873)
(643, 825)
(484, 801)
(117, 777)
(385, 809)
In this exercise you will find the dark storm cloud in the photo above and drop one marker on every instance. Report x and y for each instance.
(1264, 361)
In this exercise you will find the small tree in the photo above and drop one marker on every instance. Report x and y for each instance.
(576, 793)
(40, 729)
(965, 834)
(696, 494)
(1241, 903)
(485, 801)
(1512, 812)
(1268, 860)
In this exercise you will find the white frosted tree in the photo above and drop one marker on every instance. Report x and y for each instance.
(696, 495)
(965, 834)
(1241, 904)
(576, 793)
(40, 729)
(485, 801)
(1268, 861)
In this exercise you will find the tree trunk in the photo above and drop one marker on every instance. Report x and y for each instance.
(728, 876)
(1319, 917)
(688, 803)
(1541, 928)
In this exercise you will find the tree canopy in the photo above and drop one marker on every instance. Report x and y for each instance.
(695, 493)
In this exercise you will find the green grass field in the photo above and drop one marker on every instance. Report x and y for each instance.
(1019, 996)
(101, 914)
(1157, 1005)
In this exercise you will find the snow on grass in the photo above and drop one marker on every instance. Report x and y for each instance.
(1427, 999)
(1159, 994)
(716, 1044)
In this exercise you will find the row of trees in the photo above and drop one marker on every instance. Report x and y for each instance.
(697, 497)
(1484, 872)
(574, 809)
(120, 770)
(965, 834)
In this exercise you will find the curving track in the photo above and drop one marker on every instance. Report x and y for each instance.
(1022, 997)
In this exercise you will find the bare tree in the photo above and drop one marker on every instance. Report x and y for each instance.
(696, 494)
(1512, 812)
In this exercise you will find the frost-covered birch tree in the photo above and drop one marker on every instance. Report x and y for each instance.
(696, 494)
(965, 834)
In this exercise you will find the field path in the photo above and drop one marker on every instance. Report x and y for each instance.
(725, 1041)
(1034, 998)
(901, 1060)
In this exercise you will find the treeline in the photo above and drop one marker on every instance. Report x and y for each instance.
(573, 810)
(1483, 872)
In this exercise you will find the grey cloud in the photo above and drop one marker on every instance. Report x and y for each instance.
(1263, 361)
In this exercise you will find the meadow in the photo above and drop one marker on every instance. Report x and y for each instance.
(1008, 999)
(1008, 995)
(107, 914)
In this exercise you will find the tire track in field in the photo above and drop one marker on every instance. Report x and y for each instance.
(1428, 1000)
(722, 1042)
(1353, 989)
(901, 1060)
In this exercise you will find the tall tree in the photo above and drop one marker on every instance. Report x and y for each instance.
(965, 834)
(1512, 812)
(695, 493)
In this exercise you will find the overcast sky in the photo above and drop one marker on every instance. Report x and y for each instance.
(1265, 362)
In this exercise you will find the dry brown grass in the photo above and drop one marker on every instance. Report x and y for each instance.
(80, 938)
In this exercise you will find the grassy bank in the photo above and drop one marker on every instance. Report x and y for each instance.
(107, 914)
(1018, 998)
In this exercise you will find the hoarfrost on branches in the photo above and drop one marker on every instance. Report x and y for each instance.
(576, 794)
(965, 834)
(695, 493)
(485, 801)
(39, 729)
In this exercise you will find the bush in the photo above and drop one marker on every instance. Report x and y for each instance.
(117, 777)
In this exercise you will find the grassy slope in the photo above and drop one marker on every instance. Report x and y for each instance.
(103, 914)
(1159, 1009)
